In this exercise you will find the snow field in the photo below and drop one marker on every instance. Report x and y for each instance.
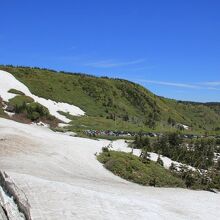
(63, 180)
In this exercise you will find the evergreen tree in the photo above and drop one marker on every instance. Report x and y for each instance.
(160, 161)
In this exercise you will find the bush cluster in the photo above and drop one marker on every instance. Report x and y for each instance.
(26, 105)
(132, 168)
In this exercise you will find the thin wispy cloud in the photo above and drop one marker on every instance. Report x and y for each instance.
(204, 85)
(216, 83)
(212, 88)
(182, 85)
(113, 63)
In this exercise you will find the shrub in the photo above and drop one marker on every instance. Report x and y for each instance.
(34, 116)
(26, 105)
(160, 161)
(19, 103)
(172, 167)
(105, 149)
(36, 110)
(37, 107)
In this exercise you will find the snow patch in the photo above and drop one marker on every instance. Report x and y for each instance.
(40, 123)
(70, 133)
(63, 125)
(167, 162)
(8, 81)
(10, 114)
(185, 127)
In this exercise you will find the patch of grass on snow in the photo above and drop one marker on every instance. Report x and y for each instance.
(15, 91)
(20, 100)
(131, 168)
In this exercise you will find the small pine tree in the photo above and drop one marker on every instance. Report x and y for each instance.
(105, 149)
(160, 161)
(172, 167)
(218, 164)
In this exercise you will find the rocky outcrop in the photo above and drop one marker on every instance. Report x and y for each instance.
(19, 196)
(3, 215)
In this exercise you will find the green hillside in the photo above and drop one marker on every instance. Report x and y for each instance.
(116, 101)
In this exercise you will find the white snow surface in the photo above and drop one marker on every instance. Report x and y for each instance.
(63, 125)
(167, 162)
(40, 123)
(10, 114)
(63, 180)
(8, 81)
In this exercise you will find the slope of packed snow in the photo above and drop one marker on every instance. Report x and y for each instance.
(8, 81)
(63, 180)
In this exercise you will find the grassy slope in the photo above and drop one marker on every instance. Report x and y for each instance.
(89, 93)
(104, 97)
(131, 168)
(199, 116)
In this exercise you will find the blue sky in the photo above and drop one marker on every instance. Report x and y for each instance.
(172, 47)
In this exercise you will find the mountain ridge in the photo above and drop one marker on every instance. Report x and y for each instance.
(113, 98)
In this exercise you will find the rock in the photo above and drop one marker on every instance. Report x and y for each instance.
(10, 108)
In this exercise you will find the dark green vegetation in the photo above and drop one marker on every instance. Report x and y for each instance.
(117, 103)
(15, 91)
(25, 107)
(199, 153)
(132, 168)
